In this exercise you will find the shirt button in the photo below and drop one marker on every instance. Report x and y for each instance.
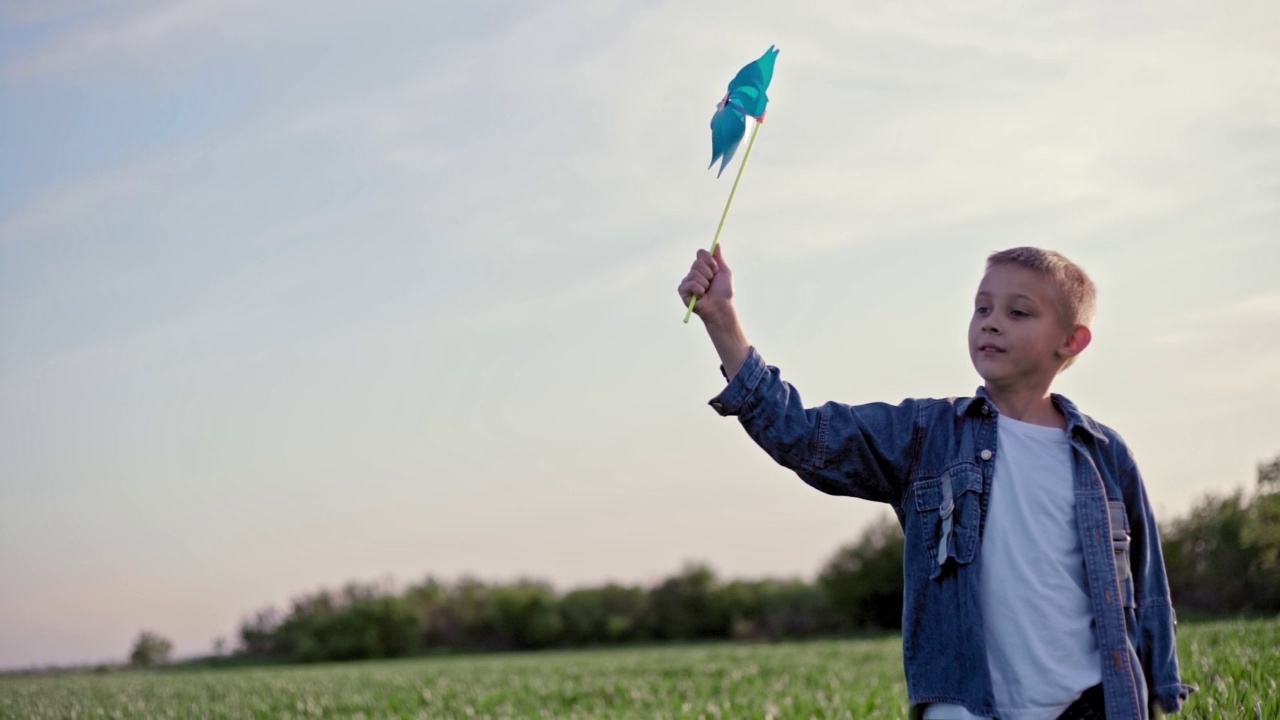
(986, 410)
(985, 455)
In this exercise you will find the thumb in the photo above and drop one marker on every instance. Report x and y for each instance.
(718, 255)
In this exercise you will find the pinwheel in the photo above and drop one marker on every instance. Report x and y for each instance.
(747, 96)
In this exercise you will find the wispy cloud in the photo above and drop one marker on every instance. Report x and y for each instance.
(1232, 350)
(147, 32)
(1253, 315)
(1262, 307)
(33, 12)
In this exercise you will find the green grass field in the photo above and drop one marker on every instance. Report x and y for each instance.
(1234, 663)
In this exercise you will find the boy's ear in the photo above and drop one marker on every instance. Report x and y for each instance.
(1076, 342)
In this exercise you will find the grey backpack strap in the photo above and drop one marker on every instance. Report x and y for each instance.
(946, 511)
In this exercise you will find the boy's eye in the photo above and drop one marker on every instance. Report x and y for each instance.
(1019, 313)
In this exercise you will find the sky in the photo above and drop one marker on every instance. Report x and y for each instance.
(296, 293)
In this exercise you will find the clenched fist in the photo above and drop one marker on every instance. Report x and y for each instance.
(711, 281)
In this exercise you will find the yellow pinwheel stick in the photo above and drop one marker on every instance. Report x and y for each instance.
(754, 129)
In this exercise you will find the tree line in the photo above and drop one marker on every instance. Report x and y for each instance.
(859, 588)
(1223, 558)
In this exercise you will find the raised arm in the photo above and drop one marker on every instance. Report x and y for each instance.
(864, 451)
(711, 281)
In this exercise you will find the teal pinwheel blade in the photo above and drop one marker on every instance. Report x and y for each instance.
(747, 95)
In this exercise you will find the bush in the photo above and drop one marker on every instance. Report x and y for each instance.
(863, 580)
(1224, 557)
(609, 614)
(150, 650)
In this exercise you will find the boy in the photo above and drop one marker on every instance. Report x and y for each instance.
(1034, 585)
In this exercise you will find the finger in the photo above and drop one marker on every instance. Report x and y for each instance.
(718, 255)
(698, 283)
(709, 259)
(703, 271)
(690, 289)
(702, 268)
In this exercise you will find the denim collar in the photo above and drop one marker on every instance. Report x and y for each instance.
(1077, 422)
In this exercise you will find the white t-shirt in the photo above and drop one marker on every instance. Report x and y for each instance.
(1041, 647)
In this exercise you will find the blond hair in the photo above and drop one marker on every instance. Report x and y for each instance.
(1077, 297)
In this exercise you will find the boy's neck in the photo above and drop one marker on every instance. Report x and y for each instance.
(1029, 404)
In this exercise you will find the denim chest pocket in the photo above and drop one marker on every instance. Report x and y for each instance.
(1120, 540)
(949, 508)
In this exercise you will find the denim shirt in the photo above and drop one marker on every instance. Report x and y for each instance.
(931, 460)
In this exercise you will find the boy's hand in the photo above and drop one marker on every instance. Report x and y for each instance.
(711, 281)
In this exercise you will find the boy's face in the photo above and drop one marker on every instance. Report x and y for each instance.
(1018, 337)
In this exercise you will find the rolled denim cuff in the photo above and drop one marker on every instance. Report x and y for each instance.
(1171, 697)
(736, 395)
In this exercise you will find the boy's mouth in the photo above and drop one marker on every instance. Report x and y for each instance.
(988, 347)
